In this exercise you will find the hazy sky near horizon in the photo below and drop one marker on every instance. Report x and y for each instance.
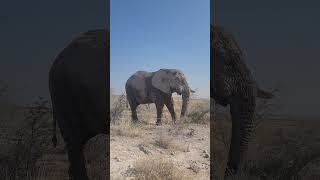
(149, 35)
(281, 40)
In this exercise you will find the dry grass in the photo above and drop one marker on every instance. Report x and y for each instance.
(165, 140)
(160, 150)
(286, 151)
(279, 149)
(118, 106)
(28, 144)
(27, 151)
(126, 128)
(199, 112)
(157, 168)
(122, 126)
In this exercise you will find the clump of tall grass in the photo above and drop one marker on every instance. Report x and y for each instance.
(199, 113)
(118, 106)
(28, 143)
(157, 168)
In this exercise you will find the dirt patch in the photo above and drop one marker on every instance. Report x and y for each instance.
(170, 151)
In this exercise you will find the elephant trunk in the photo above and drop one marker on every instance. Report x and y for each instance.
(185, 100)
(218, 74)
(242, 114)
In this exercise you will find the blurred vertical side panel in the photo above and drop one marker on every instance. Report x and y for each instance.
(54, 90)
(79, 86)
(264, 89)
(212, 77)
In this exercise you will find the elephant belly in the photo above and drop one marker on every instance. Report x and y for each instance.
(143, 97)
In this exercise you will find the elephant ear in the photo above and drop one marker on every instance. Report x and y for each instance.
(160, 81)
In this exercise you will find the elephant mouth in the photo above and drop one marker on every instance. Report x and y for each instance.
(178, 92)
(175, 90)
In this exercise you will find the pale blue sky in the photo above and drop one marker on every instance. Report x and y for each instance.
(152, 34)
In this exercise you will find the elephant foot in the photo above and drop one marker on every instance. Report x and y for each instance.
(223, 101)
(158, 123)
(229, 173)
(135, 121)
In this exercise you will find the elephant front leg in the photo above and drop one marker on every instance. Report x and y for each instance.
(170, 107)
(159, 113)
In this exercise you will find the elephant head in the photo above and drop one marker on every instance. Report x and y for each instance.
(170, 81)
(234, 85)
(225, 54)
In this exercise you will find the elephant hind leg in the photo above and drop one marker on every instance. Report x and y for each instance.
(134, 115)
(77, 167)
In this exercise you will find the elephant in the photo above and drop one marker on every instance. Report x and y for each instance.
(233, 84)
(157, 87)
(78, 88)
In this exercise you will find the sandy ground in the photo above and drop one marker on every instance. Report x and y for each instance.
(193, 155)
(188, 145)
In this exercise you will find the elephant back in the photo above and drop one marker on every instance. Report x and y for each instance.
(93, 39)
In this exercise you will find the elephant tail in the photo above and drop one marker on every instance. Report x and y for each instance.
(54, 136)
(264, 94)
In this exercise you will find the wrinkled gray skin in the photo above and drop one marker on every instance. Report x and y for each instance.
(233, 85)
(157, 87)
(78, 86)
